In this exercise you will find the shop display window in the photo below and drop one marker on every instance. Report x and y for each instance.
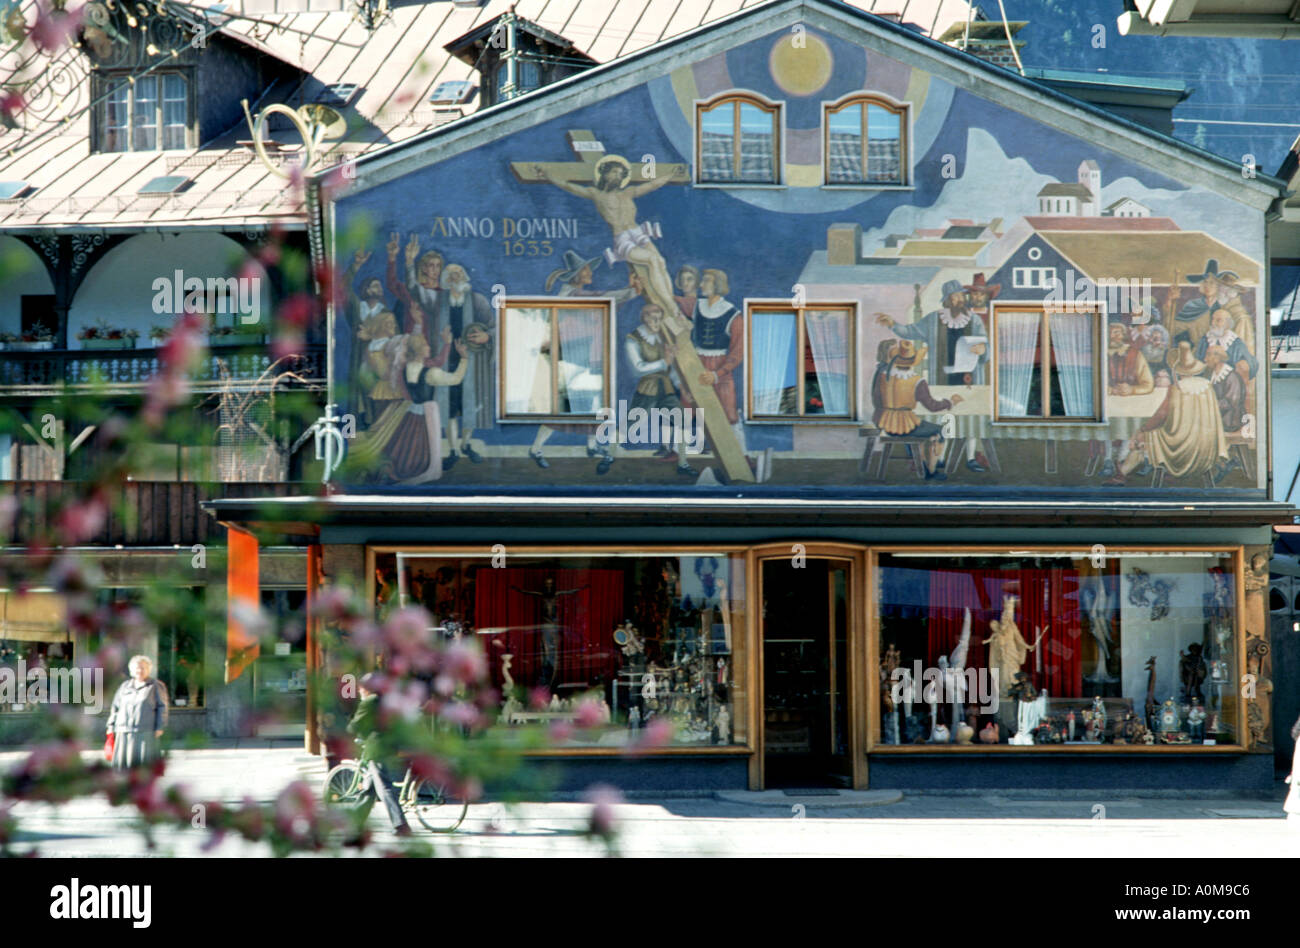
(1079, 648)
(636, 637)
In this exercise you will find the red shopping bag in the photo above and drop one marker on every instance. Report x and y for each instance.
(108, 745)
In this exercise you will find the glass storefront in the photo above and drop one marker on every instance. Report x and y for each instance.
(1032, 648)
(636, 637)
(1088, 648)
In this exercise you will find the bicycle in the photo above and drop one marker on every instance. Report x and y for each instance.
(351, 785)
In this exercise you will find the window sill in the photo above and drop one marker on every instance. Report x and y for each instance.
(1050, 422)
(552, 420)
(866, 186)
(742, 185)
(1031, 749)
(837, 421)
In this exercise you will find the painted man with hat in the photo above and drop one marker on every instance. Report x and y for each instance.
(896, 389)
(1185, 435)
(1221, 336)
(941, 333)
(1127, 373)
(615, 200)
(1218, 291)
(955, 336)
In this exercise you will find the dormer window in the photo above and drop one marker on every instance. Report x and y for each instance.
(144, 113)
(514, 56)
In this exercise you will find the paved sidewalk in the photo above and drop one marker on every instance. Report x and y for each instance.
(992, 823)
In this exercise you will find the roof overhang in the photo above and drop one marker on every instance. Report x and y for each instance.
(307, 514)
(1259, 19)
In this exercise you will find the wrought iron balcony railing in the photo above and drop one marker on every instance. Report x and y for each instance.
(126, 370)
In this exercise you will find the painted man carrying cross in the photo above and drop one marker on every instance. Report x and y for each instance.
(616, 203)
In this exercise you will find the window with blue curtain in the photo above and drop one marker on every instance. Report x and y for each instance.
(801, 362)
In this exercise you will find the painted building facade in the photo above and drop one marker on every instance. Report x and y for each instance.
(798, 383)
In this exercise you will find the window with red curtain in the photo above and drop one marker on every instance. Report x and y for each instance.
(510, 622)
(1049, 599)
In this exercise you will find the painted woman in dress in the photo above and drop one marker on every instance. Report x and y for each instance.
(138, 716)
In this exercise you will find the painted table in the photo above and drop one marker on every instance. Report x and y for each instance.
(973, 418)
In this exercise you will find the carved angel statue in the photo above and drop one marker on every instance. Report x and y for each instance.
(955, 683)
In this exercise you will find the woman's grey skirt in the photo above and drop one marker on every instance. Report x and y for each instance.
(133, 749)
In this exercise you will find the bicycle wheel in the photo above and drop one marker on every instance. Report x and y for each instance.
(437, 812)
(345, 787)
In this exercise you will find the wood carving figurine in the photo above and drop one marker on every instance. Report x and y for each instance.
(1008, 649)
(1151, 693)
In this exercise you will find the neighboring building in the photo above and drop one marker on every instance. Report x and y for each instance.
(1066, 200)
(1126, 207)
(679, 228)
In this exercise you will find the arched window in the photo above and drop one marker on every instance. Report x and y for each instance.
(738, 141)
(866, 142)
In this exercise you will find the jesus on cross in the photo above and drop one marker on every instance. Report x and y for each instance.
(616, 202)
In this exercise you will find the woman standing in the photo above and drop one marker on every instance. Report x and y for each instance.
(138, 716)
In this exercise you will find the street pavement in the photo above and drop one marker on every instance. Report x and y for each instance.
(987, 823)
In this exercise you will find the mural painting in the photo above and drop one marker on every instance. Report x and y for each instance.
(800, 267)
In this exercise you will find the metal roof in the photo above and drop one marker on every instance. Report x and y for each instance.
(395, 68)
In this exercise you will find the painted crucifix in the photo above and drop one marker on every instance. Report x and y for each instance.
(605, 180)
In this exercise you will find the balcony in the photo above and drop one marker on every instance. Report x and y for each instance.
(37, 373)
(141, 513)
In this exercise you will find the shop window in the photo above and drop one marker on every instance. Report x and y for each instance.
(639, 637)
(866, 142)
(738, 141)
(801, 362)
(280, 672)
(555, 360)
(1125, 648)
(34, 634)
(171, 636)
(1048, 364)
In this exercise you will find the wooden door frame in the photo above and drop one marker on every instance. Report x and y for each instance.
(861, 686)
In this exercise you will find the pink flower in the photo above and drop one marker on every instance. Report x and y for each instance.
(430, 768)
(588, 714)
(603, 798)
(560, 731)
(404, 701)
(81, 520)
(12, 104)
(465, 662)
(463, 714)
(295, 812)
(653, 736)
(539, 698)
(71, 574)
(54, 28)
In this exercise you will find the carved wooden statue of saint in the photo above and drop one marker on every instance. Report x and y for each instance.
(1008, 649)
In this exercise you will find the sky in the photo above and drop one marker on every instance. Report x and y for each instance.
(1232, 80)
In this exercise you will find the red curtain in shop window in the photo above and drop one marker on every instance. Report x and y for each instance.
(587, 620)
(1048, 599)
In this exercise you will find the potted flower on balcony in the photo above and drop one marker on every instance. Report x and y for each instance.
(235, 336)
(103, 336)
(35, 338)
